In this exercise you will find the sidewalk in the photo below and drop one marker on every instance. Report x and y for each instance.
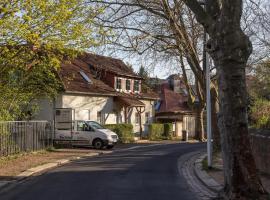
(213, 178)
(206, 184)
(188, 167)
(217, 173)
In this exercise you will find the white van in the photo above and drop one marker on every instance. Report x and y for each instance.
(87, 133)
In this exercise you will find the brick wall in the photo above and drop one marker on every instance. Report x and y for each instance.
(260, 143)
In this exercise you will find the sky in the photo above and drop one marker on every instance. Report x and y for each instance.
(156, 68)
(163, 68)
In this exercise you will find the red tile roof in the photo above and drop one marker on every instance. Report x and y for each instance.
(108, 64)
(74, 82)
(130, 101)
(149, 94)
(172, 101)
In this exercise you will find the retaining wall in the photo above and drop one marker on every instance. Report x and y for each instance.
(260, 143)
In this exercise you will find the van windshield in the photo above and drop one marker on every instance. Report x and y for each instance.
(95, 125)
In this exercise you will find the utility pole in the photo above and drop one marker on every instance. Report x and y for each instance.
(208, 107)
(206, 68)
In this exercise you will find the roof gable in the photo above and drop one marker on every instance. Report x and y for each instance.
(114, 65)
(172, 101)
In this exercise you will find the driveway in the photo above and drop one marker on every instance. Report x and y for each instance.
(147, 172)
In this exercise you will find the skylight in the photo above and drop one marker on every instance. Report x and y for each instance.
(85, 77)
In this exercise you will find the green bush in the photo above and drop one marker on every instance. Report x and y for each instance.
(124, 131)
(156, 131)
(260, 114)
(168, 130)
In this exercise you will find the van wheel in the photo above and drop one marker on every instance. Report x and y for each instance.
(98, 144)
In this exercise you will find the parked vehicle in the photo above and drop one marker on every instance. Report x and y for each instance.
(87, 133)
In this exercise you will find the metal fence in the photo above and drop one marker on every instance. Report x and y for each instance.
(24, 136)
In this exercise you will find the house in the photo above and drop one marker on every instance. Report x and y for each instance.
(155, 83)
(102, 89)
(173, 106)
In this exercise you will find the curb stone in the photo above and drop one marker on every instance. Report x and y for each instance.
(204, 177)
(186, 167)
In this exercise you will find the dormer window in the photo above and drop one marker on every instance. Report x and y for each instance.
(118, 84)
(128, 85)
(136, 86)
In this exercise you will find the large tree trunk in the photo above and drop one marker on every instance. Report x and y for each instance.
(230, 56)
(241, 177)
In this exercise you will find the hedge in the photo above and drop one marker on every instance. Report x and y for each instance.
(124, 131)
(168, 130)
(156, 131)
(260, 114)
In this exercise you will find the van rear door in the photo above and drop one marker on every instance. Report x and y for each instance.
(63, 124)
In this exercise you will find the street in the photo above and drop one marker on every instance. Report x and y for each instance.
(148, 172)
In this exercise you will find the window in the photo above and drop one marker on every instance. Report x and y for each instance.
(85, 77)
(99, 116)
(137, 118)
(147, 117)
(118, 83)
(95, 125)
(127, 84)
(82, 126)
(136, 86)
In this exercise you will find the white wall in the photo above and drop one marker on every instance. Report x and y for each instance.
(46, 108)
(148, 108)
(189, 125)
(87, 107)
(82, 104)
(179, 129)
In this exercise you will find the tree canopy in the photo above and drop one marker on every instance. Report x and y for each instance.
(36, 35)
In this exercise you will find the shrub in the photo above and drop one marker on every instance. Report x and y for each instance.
(156, 131)
(124, 131)
(168, 130)
(260, 114)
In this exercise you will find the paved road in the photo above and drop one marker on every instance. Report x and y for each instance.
(137, 174)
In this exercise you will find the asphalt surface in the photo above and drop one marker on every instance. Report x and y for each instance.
(136, 174)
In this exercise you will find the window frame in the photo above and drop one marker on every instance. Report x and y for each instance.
(136, 87)
(128, 81)
(118, 80)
